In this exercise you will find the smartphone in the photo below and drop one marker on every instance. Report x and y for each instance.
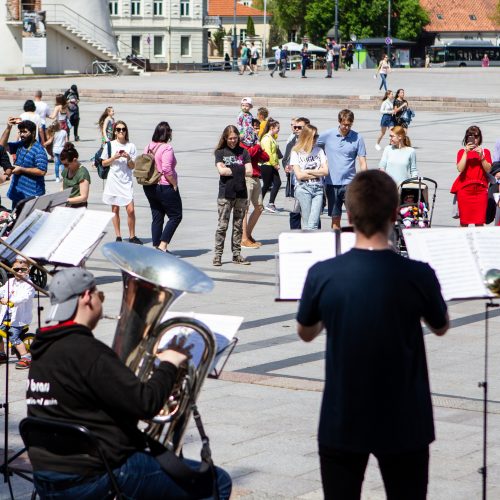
(121, 151)
(471, 139)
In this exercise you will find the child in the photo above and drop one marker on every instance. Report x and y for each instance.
(58, 138)
(16, 299)
(244, 121)
(262, 115)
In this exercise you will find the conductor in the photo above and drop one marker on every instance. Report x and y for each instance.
(377, 398)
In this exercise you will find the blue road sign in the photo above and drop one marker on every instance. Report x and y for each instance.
(388, 40)
(359, 46)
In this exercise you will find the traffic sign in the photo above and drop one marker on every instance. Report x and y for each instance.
(148, 40)
(388, 41)
(359, 46)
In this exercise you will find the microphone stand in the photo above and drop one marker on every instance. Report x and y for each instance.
(6, 469)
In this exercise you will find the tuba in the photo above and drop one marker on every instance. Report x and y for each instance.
(152, 281)
(492, 281)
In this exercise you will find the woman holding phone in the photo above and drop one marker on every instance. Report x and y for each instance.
(471, 185)
(119, 191)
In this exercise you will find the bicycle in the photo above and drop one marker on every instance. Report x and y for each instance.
(26, 336)
(102, 68)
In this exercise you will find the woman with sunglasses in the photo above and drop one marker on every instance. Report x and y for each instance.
(309, 166)
(471, 185)
(119, 191)
(75, 177)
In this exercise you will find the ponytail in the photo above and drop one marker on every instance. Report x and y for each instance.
(69, 152)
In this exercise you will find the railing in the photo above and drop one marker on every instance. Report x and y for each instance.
(62, 14)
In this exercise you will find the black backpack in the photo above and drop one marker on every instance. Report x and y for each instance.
(102, 171)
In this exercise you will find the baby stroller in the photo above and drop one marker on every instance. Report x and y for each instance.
(415, 209)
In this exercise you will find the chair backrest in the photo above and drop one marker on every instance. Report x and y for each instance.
(64, 438)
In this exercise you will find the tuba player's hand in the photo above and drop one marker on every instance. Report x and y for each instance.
(177, 351)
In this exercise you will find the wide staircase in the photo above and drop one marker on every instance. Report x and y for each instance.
(87, 35)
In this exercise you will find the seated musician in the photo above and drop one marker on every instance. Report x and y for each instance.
(76, 378)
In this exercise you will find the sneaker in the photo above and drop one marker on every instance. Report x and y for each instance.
(239, 259)
(77, 138)
(58, 179)
(249, 244)
(23, 364)
(135, 240)
(377, 147)
(271, 207)
(217, 262)
(118, 238)
(3, 358)
(271, 75)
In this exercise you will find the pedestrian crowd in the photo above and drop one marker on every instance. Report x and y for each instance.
(318, 165)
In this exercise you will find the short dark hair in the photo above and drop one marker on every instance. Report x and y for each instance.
(346, 114)
(372, 200)
(29, 105)
(162, 133)
(29, 126)
(303, 119)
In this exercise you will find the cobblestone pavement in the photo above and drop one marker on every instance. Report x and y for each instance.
(262, 415)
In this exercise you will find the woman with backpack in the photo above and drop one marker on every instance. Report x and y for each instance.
(118, 191)
(163, 195)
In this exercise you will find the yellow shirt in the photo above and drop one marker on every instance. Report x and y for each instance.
(270, 146)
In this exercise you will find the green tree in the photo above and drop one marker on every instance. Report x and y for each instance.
(365, 18)
(289, 14)
(250, 27)
(496, 16)
(219, 40)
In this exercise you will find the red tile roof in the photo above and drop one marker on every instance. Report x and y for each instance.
(455, 15)
(225, 8)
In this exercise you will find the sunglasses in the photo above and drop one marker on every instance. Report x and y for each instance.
(298, 127)
(20, 269)
(120, 129)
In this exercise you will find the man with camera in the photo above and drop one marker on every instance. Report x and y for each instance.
(30, 165)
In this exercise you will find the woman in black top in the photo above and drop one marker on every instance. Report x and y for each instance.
(400, 105)
(233, 164)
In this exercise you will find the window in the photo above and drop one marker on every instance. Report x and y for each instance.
(185, 45)
(136, 45)
(157, 46)
(113, 7)
(135, 8)
(185, 7)
(440, 16)
(292, 36)
(472, 17)
(243, 35)
(158, 8)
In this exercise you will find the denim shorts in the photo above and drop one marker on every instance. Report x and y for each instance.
(387, 120)
(335, 196)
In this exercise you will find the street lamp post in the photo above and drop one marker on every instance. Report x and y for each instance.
(389, 28)
(264, 37)
(235, 44)
(336, 25)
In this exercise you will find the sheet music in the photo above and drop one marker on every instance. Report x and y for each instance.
(223, 327)
(53, 231)
(23, 233)
(449, 252)
(85, 233)
(486, 241)
(298, 251)
(347, 241)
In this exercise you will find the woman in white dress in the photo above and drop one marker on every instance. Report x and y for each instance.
(119, 191)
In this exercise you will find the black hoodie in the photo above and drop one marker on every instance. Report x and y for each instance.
(76, 378)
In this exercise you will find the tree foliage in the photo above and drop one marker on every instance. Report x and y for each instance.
(496, 15)
(250, 27)
(364, 18)
(218, 37)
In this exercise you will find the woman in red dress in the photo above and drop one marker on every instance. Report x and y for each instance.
(471, 186)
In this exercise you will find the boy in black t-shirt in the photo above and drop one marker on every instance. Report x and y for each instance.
(377, 397)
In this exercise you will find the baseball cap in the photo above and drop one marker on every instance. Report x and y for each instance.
(247, 100)
(65, 288)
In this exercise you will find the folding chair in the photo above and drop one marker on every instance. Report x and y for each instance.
(63, 438)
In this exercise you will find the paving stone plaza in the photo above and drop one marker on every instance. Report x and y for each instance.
(262, 414)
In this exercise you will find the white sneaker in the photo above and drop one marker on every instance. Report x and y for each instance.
(58, 179)
(377, 147)
(271, 208)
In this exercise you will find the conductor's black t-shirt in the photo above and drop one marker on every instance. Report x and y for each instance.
(233, 186)
(377, 395)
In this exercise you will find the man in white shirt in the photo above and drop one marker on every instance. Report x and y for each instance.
(277, 60)
(43, 111)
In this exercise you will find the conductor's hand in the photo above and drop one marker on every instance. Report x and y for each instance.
(177, 351)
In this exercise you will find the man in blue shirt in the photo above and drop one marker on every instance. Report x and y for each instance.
(342, 146)
(30, 165)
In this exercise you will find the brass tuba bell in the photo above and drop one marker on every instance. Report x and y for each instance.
(152, 281)
(492, 281)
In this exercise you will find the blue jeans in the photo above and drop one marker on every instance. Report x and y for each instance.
(164, 201)
(57, 164)
(13, 333)
(383, 83)
(140, 477)
(310, 198)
